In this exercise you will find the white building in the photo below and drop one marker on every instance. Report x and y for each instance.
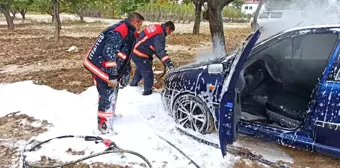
(250, 6)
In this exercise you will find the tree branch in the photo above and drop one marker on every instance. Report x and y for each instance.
(225, 2)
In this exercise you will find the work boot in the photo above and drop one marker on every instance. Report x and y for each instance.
(147, 92)
(103, 127)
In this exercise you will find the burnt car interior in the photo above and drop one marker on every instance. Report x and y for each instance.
(278, 80)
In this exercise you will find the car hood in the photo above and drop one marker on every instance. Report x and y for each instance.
(204, 63)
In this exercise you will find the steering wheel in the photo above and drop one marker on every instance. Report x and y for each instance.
(272, 68)
(252, 77)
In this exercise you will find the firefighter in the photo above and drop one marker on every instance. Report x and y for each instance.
(109, 62)
(150, 41)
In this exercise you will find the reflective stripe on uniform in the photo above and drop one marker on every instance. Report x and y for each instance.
(165, 58)
(95, 70)
(103, 114)
(138, 53)
(152, 48)
(121, 55)
(109, 64)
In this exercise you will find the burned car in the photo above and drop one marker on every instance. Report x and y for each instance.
(285, 89)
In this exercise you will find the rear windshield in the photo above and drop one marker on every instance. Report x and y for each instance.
(276, 15)
(264, 15)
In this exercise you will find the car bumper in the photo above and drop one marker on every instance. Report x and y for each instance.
(166, 100)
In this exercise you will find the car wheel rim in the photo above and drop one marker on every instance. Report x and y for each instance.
(191, 115)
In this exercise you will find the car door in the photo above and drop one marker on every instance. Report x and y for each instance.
(327, 106)
(230, 107)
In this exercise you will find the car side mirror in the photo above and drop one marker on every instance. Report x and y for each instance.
(215, 68)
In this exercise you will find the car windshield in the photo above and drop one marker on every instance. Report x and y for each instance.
(276, 15)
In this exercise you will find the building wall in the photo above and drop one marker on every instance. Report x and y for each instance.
(252, 1)
(250, 8)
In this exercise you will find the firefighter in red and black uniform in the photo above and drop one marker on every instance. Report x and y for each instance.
(109, 63)
(150, 41)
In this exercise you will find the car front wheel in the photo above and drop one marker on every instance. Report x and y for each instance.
(191, 112)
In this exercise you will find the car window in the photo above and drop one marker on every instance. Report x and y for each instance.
(314, 46)
(264, 15)
(280, 50)
(276, 15)
(311, 53)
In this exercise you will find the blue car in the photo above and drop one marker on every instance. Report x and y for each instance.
(285, 89)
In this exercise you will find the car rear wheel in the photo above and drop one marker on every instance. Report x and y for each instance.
(191, 112)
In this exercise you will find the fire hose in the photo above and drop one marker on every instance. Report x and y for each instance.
(112, 148)
(157, 84)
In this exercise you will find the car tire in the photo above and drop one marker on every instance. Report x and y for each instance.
(198, 118)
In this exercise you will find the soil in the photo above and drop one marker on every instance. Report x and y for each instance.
(46, 161)
(30, 53)
(304, 158)
(242, 163)
(16, 129)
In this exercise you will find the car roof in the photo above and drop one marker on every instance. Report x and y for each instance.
(316, 26)
(284, 11)
(297, 28)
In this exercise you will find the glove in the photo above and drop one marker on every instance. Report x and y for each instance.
(113, 83)
(171, 68)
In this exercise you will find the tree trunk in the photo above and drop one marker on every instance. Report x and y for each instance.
(256, 15)
(57, 24)
(198, 16)
(81, 16)
(14, 12)
(113, 14)
(5, 9)
(216, 30)
(23, 13)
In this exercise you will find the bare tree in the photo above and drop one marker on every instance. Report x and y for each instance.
(5, 8)
(57, 23)
(198, 15)
(21, 6)
(256, 15)
(13, 11)
(215, 8)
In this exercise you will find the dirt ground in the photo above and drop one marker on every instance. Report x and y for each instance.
(30, 53)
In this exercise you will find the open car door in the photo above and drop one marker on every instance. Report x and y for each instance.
(230, 107)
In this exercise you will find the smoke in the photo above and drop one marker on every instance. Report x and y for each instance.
(204, 54)
(207, 54)
(314, 12)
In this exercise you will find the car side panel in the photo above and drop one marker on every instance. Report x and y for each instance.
(279, 136)
(327, 111)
